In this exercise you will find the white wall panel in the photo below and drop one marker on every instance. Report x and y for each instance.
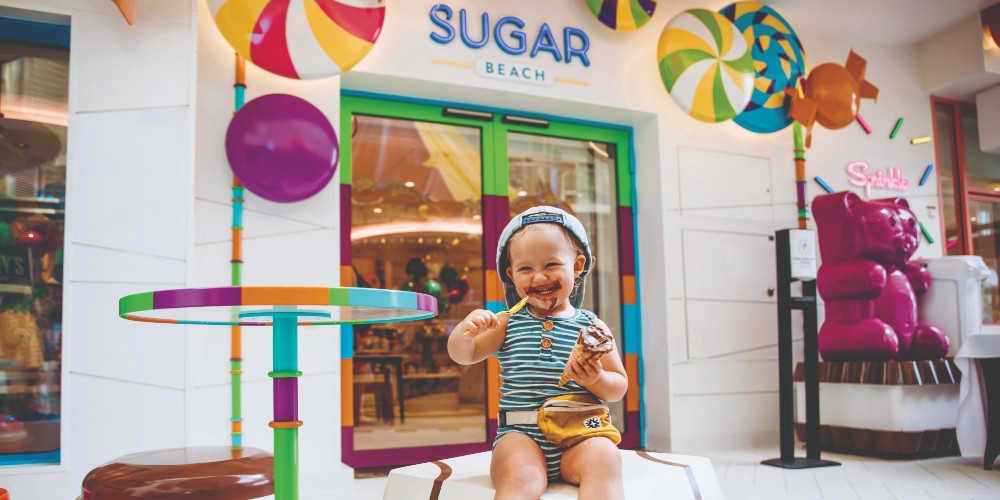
(319, 410)
(308, 258)
(96, 264)
(104, 345)
(726, 377)
(41, 486)
(137, 67)
(712, 179)
(725, 422)
(728, 266)
(758, 215)
(211, 266)
(211, 414)
(129, 179)
(215, 221)
(716, 328)
(114, 418)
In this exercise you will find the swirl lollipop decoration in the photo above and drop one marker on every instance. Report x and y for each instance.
(623, 15)
(301, 39)
(706, 65)
(779, 61)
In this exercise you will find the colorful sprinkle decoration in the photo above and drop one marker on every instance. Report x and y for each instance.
(826, 187)
(864, 124)
(895, 129)
(927, 234)
(927, 173)
(920, 140)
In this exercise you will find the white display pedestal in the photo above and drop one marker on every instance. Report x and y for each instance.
(647, 475)
(904, 409)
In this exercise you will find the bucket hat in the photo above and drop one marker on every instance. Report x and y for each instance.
(550, 215)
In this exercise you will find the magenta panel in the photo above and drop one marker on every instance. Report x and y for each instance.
(197, 297)
(626, 241)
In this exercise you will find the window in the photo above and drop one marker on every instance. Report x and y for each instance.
(970, 193)
(34, 71)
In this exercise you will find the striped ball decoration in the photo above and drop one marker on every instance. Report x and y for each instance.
(779, 61)
(301, 39)
(622, 15)
(706, 66)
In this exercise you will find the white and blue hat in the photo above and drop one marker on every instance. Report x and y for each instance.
(551, 215)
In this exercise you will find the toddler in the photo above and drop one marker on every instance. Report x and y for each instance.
(543, 254)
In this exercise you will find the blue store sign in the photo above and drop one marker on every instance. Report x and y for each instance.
(509, 34)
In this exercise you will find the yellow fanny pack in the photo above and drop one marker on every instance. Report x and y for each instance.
(567, 420)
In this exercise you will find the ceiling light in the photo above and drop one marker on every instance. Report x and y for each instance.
(454, 226)
(377, 210)
(522, 193)
(409, 184)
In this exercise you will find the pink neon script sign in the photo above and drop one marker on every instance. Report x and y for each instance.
(892, 179)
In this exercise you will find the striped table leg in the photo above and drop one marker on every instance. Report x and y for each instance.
(286, 406)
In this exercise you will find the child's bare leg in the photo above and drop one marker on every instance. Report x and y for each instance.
(518, 468)
(595, 465)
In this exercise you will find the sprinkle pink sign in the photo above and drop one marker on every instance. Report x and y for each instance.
(891, 178)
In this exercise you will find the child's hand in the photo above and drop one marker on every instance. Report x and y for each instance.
(585, 372)
(477, 322)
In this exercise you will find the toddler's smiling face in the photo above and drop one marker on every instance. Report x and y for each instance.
(544, 265)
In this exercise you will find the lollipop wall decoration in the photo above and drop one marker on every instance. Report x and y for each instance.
(706, 65)
(300, 39)
(779, 62)
(282, 148)
(622, 15)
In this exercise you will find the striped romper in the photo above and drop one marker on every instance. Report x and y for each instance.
(529, 371)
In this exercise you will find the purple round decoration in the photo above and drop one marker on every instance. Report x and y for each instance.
(282, 148)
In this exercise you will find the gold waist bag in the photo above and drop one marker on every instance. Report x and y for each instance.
(567, 420)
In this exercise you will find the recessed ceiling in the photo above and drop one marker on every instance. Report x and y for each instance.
(876, 22)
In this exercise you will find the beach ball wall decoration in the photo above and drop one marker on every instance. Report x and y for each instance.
(778, 59)
(282, 148)
(301, 39)
(622, 15)
(706, 65)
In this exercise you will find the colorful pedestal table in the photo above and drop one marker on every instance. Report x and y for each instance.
(251, 306)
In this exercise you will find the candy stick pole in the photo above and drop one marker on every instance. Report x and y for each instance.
(236, 279)
(800, 176)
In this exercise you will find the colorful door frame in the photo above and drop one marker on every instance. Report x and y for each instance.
(495, 124)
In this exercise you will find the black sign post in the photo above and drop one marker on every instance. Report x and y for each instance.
(807, 304)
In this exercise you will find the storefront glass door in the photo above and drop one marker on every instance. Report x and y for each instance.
(970, 193)
(426, 190)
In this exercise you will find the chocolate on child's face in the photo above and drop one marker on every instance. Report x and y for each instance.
(543, 265)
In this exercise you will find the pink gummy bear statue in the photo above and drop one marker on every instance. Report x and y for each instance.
(869, 287)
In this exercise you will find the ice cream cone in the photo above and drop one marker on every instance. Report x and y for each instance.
(578, 353)
(592, 343)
